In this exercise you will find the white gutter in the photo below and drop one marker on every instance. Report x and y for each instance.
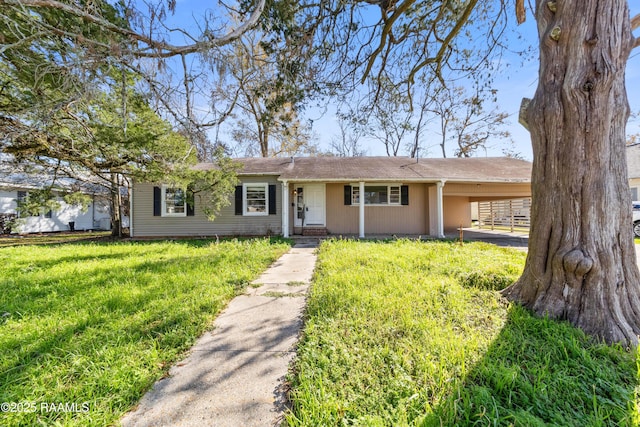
(439, 208)
(361, 209)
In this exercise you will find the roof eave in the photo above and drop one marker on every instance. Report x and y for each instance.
(412, 180)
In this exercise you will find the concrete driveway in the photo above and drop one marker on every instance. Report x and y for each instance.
(517, 240)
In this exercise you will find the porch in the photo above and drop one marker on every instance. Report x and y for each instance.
(334, 208)
(389, 208)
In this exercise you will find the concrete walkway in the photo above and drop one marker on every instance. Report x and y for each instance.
(234, 375)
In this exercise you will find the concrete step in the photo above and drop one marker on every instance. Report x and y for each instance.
(314, 231)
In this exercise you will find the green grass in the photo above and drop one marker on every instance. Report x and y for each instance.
(99, 323)
(415, 333)
(51, 238)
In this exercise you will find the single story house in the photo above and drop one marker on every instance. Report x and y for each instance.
(15, 186)
(337, 195)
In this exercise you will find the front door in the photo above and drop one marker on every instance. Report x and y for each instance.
(310, 205)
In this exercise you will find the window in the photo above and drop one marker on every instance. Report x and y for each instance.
(300, 203)
(22, 198)
(32, 205)
(376, 195)
(173, 202)
(355, 195)
(255, 199)
(394, 195)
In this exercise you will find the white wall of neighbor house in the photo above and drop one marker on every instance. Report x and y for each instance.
(8, 201)
(97, 216)
(145, 224)
(634, 186)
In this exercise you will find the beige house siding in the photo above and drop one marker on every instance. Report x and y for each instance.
(487, 191)
(456, 211)
(411, 219)
(458, 197)
(340, 218)
(226, 223)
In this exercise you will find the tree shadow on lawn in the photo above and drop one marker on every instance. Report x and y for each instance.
(102, 322)
(540, 372)
(104, 275)
(200, 241)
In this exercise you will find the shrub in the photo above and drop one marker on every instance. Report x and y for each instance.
(7, 222)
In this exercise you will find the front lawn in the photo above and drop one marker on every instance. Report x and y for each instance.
(7, 240)
(415, 333)
(85, 329)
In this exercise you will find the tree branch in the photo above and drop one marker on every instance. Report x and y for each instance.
(445, 43)
(159, 49)
(383, 36)
(635, 22)
(521, 15)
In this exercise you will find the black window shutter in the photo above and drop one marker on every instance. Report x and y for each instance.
(157, 201)
(404, 195)
(238, 199)
(272, 199)
(347, 195)
(191, 201)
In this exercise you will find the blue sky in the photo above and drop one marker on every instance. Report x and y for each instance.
(517, 80)
(522, 81)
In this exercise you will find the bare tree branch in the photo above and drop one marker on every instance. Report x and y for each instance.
(388, 25)
(521, 15)
(153, 48)
(635, 22)
(437, 59)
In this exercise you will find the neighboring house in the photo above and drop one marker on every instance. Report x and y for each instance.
(15, 186)
(324, 195)
(633, 170)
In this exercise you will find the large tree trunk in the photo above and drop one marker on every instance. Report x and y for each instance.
(581, 264)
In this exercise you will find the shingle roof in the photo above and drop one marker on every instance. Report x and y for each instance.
(474, 169)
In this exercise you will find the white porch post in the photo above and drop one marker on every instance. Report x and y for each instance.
(285, 209)
(439, 209)
(361, 209)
